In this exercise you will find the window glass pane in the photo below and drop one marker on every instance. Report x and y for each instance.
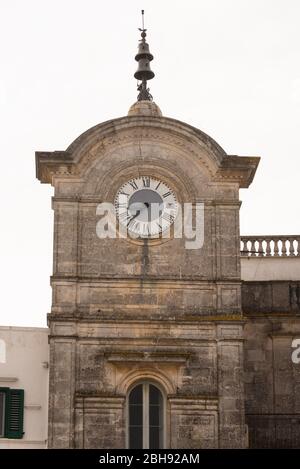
(154, 395)
(136, 437)
(154, 437)
(155, 418)
(2, 412)
(136, 417)
(136, 395)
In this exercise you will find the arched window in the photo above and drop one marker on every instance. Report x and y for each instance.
(145, 417)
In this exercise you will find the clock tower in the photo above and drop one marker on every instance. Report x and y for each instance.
(146, 329)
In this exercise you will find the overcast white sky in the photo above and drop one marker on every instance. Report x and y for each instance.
(228, 67)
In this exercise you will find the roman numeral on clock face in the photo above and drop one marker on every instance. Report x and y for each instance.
(169, 218)
(145, 229)
(124, 217)
(133, 225)
(133, 185)
(146, 181)
(166, 194)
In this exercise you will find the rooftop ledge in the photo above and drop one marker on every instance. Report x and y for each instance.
(270, 258)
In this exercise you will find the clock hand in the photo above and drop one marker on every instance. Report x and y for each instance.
(133, 217)
(138, 212)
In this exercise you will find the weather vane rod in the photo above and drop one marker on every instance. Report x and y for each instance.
(143, 26)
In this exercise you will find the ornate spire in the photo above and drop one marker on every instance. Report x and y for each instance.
(144, 71)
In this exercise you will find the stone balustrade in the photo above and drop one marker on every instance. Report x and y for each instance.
(270, 246)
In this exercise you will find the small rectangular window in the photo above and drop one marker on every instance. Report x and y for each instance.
(11, 412)
(2, 413)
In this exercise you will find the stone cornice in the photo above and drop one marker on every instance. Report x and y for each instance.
(48, 163)
(240, 169)
(188, 281)
(110, 318)
(162, 356)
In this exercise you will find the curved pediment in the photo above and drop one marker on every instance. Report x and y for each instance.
(143, 124)
(195, 148)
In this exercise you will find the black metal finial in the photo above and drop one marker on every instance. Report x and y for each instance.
(143, 11)
(144, 71)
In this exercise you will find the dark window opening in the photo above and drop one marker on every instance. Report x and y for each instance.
(11, 413)
(145, 417)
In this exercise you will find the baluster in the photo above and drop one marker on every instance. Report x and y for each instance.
(260, 247)
(297, 248)
(243, 247)
(254, 248)
(292, 249)
(276, 249)
(268, 247)
(250, 247)
(289, 247)
(284, 250)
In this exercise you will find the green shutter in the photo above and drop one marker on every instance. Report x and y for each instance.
(14, 410)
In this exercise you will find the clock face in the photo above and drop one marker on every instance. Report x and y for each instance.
(146, 206)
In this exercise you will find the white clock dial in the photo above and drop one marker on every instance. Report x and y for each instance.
(146, 206)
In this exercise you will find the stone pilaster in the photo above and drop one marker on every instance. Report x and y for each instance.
(232, 429)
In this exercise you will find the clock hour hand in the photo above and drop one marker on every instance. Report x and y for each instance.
(133, 217)
(136, 208)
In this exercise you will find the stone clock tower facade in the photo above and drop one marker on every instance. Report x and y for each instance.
(146, 335)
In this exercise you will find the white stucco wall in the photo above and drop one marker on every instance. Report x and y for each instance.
(24, 365)
(270, 268)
